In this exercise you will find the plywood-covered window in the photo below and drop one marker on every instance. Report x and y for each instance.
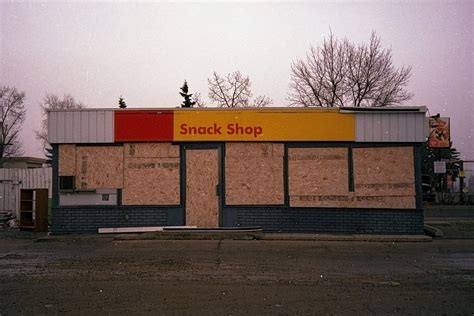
(67, 160)
(384, 177)
(318, 177)
(151, 174)
(99, 167)
(254, 174)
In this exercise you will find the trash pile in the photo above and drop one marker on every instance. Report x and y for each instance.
(7, 219)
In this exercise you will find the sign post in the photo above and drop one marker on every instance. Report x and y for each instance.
(439, 167)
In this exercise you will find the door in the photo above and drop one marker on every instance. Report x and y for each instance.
(7, 196)
(41, 210)
(202, 187)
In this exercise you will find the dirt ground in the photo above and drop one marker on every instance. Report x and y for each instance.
(191, 277)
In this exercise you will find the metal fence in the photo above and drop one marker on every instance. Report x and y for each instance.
(469, 176)
(450, 198)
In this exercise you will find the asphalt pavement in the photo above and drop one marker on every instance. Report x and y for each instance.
(454, 212)
(449, 221)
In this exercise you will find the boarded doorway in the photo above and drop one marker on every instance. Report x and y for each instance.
(202, 187)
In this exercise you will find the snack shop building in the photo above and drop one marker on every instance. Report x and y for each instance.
(347, 170)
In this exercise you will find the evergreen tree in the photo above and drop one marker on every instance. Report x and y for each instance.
(122, 103)
(48, 152)
(430, 155)
(187, 103)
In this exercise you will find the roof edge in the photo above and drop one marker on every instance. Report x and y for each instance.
(289, 109)
(421, 109)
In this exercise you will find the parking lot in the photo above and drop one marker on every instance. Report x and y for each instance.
(100, 275)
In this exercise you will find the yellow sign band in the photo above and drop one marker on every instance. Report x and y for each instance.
(263, 125)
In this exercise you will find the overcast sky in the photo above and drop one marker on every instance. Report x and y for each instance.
(144, 51)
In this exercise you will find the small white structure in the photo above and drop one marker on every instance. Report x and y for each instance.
(13, 180)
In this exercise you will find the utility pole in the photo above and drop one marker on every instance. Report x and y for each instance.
(461, 182)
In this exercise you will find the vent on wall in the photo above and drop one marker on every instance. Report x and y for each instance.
(66, 183)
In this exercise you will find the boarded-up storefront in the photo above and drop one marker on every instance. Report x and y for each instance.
(282, 169)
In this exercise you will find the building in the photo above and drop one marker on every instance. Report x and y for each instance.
(15, 180)
(22, 173)
(351, 170)
(23, 162)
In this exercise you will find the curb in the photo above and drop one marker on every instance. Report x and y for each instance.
(190, 236)
(274, 237)
(241, 236)
(433, 231)
(443, 207)
(456, 229)
(357, 237)
(72, 237)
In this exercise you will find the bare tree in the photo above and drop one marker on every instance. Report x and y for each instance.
(197, 99)
(261, 101)
(234, 90)
(340, 73)
(12, 117)
(53, 102)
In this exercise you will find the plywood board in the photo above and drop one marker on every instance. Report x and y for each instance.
(254, 181)
(241, 149)
(99, 167)
(151, 181)
(151, 150)
(254, 174)
(384, 171)
(202, 201)
(383, 178)
(353, 201)
(318, 171)
(67, 160)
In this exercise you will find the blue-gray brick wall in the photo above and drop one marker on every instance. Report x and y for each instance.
(314, 220)
(79, 220)
(68, 220)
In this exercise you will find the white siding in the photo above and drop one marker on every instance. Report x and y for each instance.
(81, 126)
(69, 127)
(61, 127)
(88, 198)
(360, 126)
(393, 127)
(76, 127)
(109, 132)
(402, 127)
(385, 127)
(16, 179)
(7, 196)
(100, 122)
(85, 126)
(93, 127)
(390, 127)
(34, 178)
(411, 126)
(421, 131)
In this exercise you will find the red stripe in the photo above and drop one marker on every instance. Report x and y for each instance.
(143, 125)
